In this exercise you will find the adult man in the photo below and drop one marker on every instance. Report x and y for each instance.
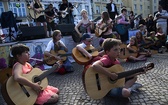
(66, 9)
(112, 9)
(161, 19)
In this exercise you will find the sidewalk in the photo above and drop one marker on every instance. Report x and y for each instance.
(153, 92)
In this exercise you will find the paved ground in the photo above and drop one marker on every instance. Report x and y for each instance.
(153, 92)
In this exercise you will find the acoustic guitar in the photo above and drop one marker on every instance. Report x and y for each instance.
(35, 14)
(51, 60)
(125, 53)
(82, 59)
(50, 19)
(64, 13)
(101, 29)
(18, 94)
(97, 85)
(7, 72)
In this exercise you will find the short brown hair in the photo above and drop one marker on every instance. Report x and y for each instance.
(110, 43)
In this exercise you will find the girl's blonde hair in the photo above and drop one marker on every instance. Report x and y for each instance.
(83, 10)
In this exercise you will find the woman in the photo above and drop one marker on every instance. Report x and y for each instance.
(105, 25)
(85, 25)
(37, 14)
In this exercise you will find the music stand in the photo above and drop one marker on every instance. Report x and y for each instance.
(8, 21)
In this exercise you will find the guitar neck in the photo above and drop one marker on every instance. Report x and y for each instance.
(62, 55)
(129, 73)
(43, 75)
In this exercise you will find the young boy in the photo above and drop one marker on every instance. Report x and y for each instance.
(86, 42)
(112, 50)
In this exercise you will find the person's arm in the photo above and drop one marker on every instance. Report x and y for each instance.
(77, 28)
(86, 53)
(130, 48)
(18, 76)
(48, 49)
(98, 66)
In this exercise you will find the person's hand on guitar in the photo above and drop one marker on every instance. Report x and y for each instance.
(89, 56)
(113, 76)
(37, 87)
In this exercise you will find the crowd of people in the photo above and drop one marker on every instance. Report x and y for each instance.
(152, 35)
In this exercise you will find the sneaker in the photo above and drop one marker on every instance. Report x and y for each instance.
(136, 86)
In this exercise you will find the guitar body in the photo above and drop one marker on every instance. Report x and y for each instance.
(122, 29)
(14, 94)
(97, 85)
(5, 74)
(34, 14)
(80, 58)
(100, 30)
(50, 20)
(53, 60)
(125, 53)
(64, 13)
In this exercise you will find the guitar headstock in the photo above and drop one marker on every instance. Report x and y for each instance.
(149, 65)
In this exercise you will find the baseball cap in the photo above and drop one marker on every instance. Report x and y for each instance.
(86, 36)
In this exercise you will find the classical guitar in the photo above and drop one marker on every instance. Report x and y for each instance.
(97, 85)
(7, 72)
(122, 29)
(52, 60)
(18, 94)
(50, 19)
(125, 53)
(64, 13)
(101, 29)
(35, 14)
(81, 58)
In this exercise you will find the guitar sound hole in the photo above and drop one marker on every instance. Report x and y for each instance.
(36, 79)
(112, 81)
(89, 51)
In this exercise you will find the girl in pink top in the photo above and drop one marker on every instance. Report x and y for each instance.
(21, 55)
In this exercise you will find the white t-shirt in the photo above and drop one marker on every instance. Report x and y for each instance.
(163, 13)
(50, 45)
(83, 45)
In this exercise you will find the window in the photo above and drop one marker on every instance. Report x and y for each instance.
(20, 10)
(1, 7)
(135, 7)
(98, 9)
(141, 7)
(154, 1)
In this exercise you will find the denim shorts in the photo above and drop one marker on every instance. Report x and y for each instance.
(116, 92)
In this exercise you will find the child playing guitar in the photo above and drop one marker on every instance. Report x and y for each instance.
(56, 45)
(21, 54)
(133, 48)
(112, 50)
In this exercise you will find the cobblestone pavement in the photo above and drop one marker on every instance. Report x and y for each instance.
(153, 92)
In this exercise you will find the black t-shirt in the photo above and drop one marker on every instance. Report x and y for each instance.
(64, 6)
(51, 12)
(36, 5)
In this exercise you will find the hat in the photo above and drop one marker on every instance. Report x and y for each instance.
(85, 36)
